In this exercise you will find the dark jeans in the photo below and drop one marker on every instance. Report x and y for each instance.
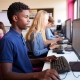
(37, 67)
(32, 56)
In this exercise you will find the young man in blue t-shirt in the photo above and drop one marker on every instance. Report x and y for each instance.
(15, 64)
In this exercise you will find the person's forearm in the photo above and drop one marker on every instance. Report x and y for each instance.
(20, 76)
(50, 38)
(49, 41)
(37, 61)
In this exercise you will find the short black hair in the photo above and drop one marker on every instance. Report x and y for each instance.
(14, 8)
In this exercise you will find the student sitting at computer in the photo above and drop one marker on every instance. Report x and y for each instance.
(2, 27)
(35, 37)
(1, 33)
(15, 63)
(50, 34)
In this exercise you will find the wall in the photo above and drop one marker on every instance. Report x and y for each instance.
(70, 5)
(60, 6)
(75, 10)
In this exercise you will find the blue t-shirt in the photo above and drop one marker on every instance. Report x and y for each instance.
(13, 50)
(37, 46)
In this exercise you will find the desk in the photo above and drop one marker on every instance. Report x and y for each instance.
(70, 56)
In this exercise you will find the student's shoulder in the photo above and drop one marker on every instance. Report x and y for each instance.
(8, 37)
(37, 34)
(48, 29)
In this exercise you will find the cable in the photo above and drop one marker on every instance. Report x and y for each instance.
(64, 77)
(73, 72)
(75, 76)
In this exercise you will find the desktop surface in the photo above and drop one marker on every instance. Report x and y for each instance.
(70, 56)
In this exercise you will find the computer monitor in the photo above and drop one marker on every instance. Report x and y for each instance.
(68, 30)
(58, 28)
(63, 29)
(76, 36)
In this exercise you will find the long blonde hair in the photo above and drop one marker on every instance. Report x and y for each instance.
(37, 25)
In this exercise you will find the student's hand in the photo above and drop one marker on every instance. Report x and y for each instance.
(57, 39)
(53, 43)
(48, 74)
(50, 58)
(53, 46)
(57, 36)
(56, 33)
(60, 39)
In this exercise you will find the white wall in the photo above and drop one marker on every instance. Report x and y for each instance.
(75, 10)
(60, 6)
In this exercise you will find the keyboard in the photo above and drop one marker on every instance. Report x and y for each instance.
(68, 49)
(61, 65)
(59, 49)
(63, 42)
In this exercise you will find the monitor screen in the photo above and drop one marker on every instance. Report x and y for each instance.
(76, 36)
(68, 30)
(58, 28)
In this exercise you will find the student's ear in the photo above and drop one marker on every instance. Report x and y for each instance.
(15, 18)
